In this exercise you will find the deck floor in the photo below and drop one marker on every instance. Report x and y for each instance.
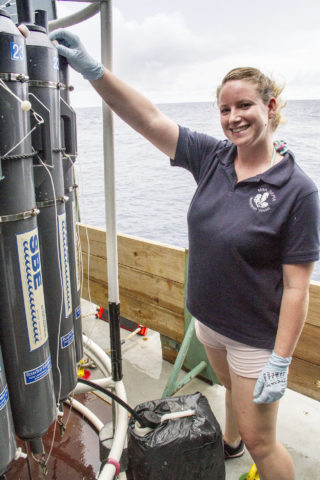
(76, 454)
(146, 375)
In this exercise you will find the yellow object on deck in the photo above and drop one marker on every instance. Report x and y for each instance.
(253, 473)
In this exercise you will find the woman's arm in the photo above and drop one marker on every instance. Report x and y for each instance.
(138, 112)
(294, 307)
(272, 381)
(125, 101)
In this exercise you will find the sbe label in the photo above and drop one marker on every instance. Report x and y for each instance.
(32, 288)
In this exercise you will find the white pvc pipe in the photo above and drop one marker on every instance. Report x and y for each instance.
(109, 169)
(108, 471)
(99, 357)
(102, 382)
(90, 416)
(174, 415)
(74, 18)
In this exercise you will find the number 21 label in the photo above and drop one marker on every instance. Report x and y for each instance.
(17, 52)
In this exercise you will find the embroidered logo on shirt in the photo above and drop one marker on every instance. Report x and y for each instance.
(263, 200)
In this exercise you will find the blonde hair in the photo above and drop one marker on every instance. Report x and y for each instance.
(266, 86)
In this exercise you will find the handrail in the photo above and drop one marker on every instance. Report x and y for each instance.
(75, 18)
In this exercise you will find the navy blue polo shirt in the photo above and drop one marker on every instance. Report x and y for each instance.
(240, 235)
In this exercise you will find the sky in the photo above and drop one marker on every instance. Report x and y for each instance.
(179, 50)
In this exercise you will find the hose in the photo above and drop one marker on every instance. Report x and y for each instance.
(116, 398)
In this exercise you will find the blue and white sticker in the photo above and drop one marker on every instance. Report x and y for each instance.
(32, 288)
(4, 397)
(64, 263)
(67, 339)
(17, 51)
(38, 373)
(78, 312)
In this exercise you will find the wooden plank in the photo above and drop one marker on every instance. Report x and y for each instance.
(160, 319)
(162, 260)
(304, 377)
(313, 317)
(151, 257)
(96, 237)
(308, 346)
(141, 285)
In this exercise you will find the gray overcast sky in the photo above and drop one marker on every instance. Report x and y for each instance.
(178, 50)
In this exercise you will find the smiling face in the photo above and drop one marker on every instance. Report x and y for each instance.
(244, 117)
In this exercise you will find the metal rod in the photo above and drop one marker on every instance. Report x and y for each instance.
(189, 376)
(110, 199)
(171, 384)
(109, 168)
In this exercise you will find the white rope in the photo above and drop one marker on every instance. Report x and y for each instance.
(61, 304)
(89, 333)
(36, 115)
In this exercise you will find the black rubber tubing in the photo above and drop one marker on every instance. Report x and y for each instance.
(139, 418)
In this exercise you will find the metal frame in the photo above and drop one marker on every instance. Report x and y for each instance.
(105, 7)
(191, 353)
(173, 385)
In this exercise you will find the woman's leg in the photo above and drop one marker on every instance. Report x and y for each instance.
(218, 361)
(257, 427)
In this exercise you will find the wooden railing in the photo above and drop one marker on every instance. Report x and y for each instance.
(151, 280)
(151, 283)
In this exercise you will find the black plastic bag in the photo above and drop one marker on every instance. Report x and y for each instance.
(189, 448)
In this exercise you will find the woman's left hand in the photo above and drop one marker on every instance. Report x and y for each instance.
(272, 381)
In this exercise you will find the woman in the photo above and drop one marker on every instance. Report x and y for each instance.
(253, 238)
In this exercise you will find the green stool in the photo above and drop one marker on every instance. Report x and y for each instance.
(191, 356)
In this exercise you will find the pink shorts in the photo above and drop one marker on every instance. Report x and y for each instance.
(244, 360)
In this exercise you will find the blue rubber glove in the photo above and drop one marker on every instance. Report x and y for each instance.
(272, 381)
(70, 46)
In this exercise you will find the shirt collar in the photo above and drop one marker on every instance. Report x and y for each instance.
(277, 175)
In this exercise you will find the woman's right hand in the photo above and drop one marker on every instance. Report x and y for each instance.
(69, 45)
(134, 108)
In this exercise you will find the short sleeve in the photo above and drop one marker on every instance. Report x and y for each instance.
(195, 150)
(300, 236)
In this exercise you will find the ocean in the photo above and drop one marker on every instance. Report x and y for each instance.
(152, 198)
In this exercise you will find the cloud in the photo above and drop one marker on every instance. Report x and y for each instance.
(162, 40)
(170, 52)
